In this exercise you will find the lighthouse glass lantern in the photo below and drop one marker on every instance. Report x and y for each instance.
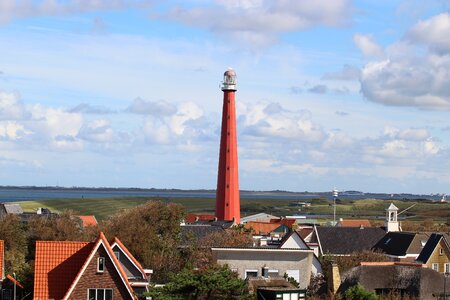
(229, 80)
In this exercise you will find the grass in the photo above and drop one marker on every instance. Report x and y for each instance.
(104, 207)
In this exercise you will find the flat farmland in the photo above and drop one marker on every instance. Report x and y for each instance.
(320, 208)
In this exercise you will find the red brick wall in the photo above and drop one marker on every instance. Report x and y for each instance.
(108, 279)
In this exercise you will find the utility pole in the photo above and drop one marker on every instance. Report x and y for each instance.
(15, 280)
(335, 195)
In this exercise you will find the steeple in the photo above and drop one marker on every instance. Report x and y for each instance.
(391, 222)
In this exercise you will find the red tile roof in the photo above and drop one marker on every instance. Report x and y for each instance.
(287, 222)
(354, 223)
(2, 259)
(60, 264)
(13, 280)
(88, 220)
(191, 218)
(262, 228)
(56, 265)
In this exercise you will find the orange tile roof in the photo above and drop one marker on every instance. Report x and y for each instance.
(2, 259)
(118, 242)
(13, 280)
(287, 222)
(355, 223)
(56, 265)
(60, 264)
(191, 218)
(88, 220)
(261, 227)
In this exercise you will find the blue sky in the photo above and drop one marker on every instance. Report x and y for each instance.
(125, 93)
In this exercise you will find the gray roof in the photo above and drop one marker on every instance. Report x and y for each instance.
(13, 208)
(346, 240)
(259, 216)
(401, 243)
(414, 280)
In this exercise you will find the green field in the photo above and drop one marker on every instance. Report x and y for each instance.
(104, 207)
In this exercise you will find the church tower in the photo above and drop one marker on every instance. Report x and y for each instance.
(228, 205)
(391, 222)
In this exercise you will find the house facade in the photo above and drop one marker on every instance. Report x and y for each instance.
(436, 254)
(272, 262)
(83, 270)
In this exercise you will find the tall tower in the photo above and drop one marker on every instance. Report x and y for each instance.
(228, 205)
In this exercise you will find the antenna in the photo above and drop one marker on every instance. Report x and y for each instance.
(335, 195)
(407, 209)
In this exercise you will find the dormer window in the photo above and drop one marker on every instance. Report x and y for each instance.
(100, 264)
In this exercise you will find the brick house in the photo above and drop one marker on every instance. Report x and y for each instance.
(436, 254)
(81, 270)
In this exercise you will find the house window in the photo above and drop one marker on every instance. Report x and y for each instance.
(441, 251)
(447, 268)
(117, 254)
(435, 266)
(273, 273)
(100, 294)
(251, 273)
(101, 264)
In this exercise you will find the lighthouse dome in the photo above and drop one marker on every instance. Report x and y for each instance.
(229, 80)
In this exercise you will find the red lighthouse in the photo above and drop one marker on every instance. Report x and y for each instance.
(228, 205)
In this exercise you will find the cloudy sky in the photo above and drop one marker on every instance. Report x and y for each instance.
(125, 93)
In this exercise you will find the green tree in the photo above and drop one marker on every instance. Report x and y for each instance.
(65, 227)
(358, 292)
(151, 232)
(14, 235)
(199, 251)
(215, 282)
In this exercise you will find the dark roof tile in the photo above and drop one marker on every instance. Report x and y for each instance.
(345, 240)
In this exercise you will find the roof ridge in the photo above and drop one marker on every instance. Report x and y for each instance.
(58, 242)
(101, 239)
(127, 252)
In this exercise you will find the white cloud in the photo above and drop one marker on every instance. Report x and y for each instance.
(262, 21)
(99, 131)
(156, 108)
(11, 9)
(272, 120)
(12, 130)
(11, 107)
(346, 73)
(367, 45)
(411, 81)
(410, 134)
(433, 32)
(417, 71)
